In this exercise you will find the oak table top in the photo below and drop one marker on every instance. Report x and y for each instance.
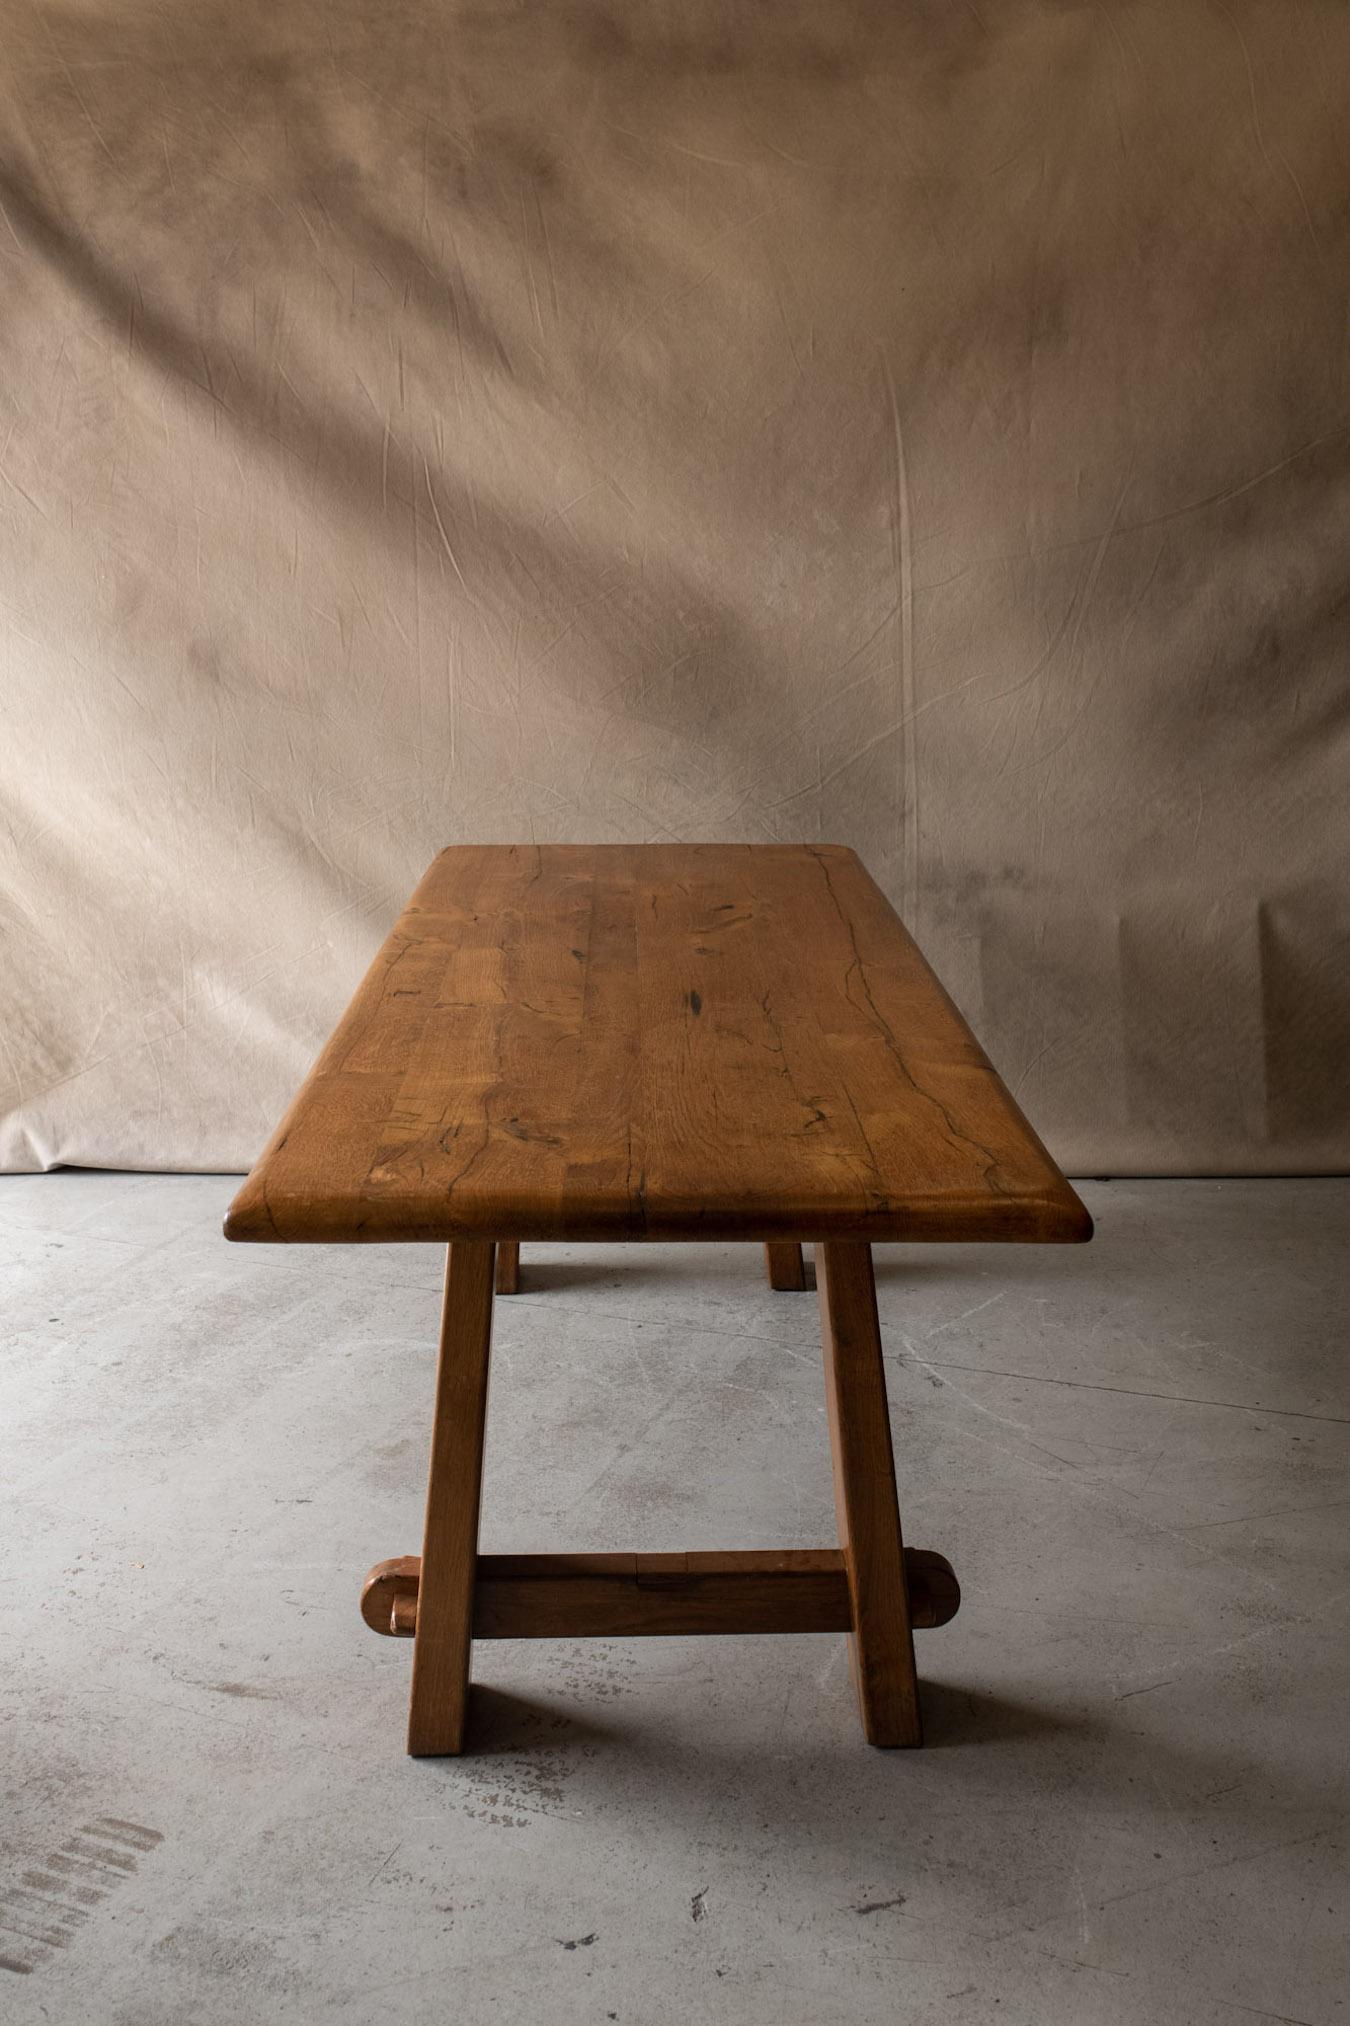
(652, 1042)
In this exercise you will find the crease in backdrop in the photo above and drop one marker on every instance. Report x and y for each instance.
(915, 426)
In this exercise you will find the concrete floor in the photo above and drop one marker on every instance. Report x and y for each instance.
(1137, 1454)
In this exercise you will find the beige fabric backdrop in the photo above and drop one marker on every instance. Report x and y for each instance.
(919, 425)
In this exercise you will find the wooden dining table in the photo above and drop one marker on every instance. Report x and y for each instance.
(673, 1043)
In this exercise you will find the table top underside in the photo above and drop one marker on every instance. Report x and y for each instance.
(652, 1042)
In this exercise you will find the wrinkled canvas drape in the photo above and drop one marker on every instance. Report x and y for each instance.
(918, 425)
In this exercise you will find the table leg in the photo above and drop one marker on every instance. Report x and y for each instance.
(441, 1647)
(881, 1645)
(787, 1272)
(508, 1266)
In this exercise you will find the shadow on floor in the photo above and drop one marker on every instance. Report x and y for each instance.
(502, 1722)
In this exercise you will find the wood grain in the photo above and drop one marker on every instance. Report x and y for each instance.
(652, 1041)
(625, 1596)
(783, 1590)
(881, 1647)
(440, 1675)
